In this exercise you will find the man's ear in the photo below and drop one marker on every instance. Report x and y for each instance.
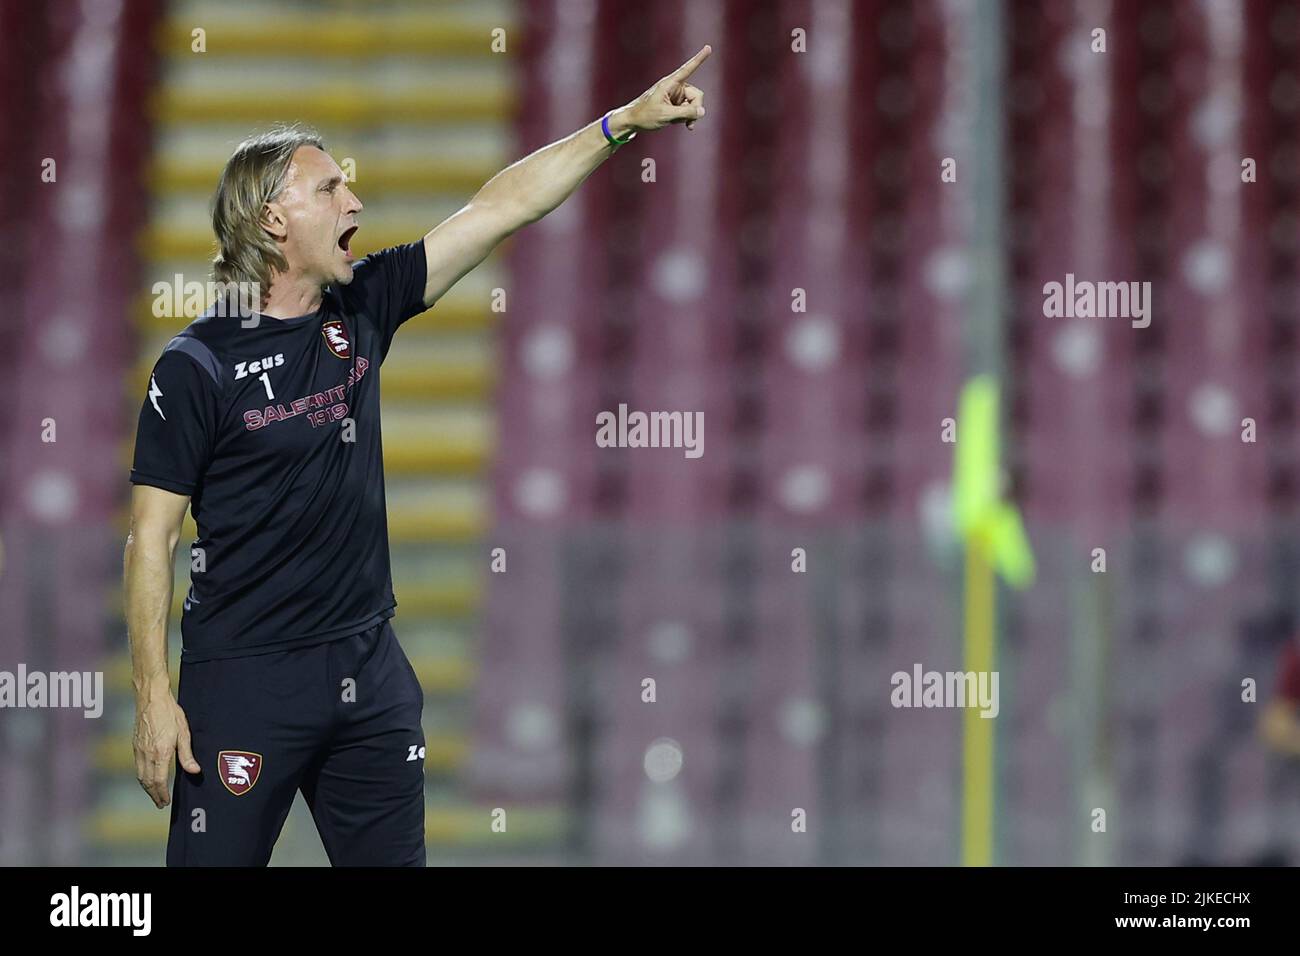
(273, 221)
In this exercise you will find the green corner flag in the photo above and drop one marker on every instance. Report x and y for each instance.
(995, 542)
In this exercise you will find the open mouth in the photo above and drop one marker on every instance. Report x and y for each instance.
(345, 241)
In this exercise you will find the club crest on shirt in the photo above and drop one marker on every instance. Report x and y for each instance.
(239, 770)
(336, 337)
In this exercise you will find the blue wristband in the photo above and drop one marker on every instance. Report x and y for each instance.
(604, 128)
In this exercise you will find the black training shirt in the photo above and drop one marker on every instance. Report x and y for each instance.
(273, 432)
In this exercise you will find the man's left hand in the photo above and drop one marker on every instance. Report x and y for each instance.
(671, 100)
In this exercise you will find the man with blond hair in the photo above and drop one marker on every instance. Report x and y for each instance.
(262, 417)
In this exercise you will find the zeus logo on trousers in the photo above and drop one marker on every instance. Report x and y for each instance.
(244, 369)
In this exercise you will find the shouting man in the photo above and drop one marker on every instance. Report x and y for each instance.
(267, 427)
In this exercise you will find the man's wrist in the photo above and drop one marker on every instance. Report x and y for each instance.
(620, 124)
(152, 685)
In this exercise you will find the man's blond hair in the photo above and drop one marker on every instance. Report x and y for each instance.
(253, 177)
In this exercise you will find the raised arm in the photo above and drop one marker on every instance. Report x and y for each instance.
(527, 190)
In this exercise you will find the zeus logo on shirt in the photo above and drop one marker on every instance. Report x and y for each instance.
(155, 393)
(245, 369)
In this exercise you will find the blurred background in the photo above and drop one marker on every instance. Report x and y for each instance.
(677, 285)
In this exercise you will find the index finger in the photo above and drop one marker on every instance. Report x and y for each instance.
(687, 68)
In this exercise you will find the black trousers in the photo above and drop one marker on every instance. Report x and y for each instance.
(339, 721)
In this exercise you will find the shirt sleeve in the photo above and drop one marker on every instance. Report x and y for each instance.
(176, 430)
(388, 287)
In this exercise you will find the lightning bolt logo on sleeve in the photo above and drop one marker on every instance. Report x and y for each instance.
(155, 393)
